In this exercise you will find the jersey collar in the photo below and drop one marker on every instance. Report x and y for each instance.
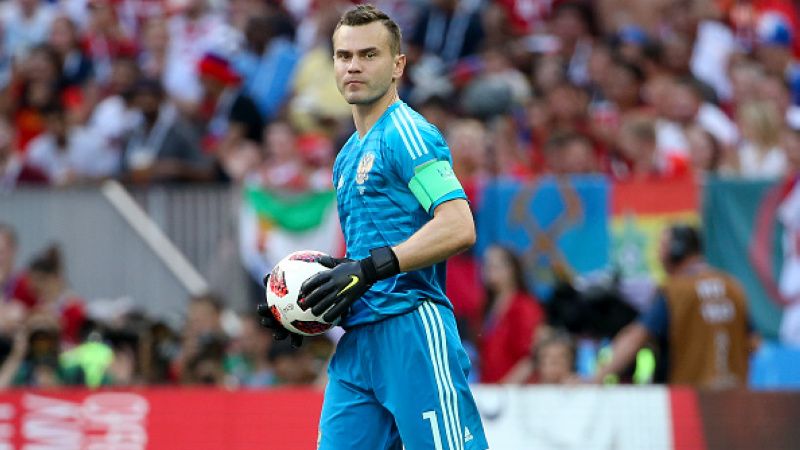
(385, 114)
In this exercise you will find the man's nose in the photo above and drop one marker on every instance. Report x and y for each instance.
(354, 66)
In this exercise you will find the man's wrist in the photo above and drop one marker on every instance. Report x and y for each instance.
(381, 263)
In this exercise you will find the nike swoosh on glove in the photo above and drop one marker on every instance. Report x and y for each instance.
(333, 291)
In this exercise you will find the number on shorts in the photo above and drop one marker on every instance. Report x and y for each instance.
(437, 439)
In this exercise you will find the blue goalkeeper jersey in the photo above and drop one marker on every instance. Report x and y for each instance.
(377, 208)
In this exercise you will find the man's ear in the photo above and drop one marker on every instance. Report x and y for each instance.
(399, 66)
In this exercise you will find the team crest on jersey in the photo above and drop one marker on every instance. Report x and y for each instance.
(364, 166)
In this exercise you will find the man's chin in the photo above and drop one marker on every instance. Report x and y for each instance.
(358, 100)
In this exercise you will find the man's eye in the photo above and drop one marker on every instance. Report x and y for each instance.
(371, 55)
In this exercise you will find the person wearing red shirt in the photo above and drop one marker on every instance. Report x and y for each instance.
(512, 316)
(48, 282)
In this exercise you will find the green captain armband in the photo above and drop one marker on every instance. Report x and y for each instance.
(432, 181)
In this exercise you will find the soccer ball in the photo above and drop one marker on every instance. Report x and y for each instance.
(284, 288)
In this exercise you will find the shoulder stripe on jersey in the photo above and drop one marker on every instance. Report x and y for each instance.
(448, 379)
(405, 133)
(403, 136)
(404, 110)
(438, 375)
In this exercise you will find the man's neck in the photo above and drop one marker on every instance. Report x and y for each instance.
(365, 116)
(692, 264)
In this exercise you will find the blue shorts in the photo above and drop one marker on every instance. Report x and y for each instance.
(401, 382)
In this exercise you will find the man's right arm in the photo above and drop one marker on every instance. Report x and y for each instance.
(623, 350)
(628, 341)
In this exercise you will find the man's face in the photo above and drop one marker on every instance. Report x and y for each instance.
(148, 103)
(364, 64)
(555, 363)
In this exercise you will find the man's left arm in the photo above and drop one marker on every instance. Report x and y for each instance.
(430, 178)
(450, 231)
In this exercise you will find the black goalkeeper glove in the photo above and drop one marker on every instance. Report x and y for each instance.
(330, 262)
(268, 320)
(333, 291)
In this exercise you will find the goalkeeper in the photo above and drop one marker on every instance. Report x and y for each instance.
(399, 374)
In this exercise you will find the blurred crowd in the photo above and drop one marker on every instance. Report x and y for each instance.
(242, 91)
(51, 337)
(203, 90)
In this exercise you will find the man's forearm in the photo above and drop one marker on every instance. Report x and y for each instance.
(623, 350)
(451, 231)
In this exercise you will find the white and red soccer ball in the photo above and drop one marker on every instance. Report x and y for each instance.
(283, 292)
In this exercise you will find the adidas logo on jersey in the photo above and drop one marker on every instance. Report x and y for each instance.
(467, 435)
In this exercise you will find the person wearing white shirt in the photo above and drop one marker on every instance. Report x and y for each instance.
(192, 34)
(71, 154)
(26, 23)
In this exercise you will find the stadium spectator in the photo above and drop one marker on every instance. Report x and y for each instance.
(469, 145)
(152, 56)
(14, 170)
(203, 342)
(700, 315)
(569, 153)
(292, 366)
(229, 118)
(446, 30)
(34, 88)
(25, 24)
(193, 32)
(315, 104)
(247, 361)
(706, 155)
(684, 105)
(105, 39)
(54, 298)
(638, 157)
(759, 154)
(772, 89)
(774, 40)
(506, 155)
(622, 86)
(567, 106)
(113, 116)
(162, 146)
(511, 316)
(160, 346)
(268, 62)
(77, 68)
(746, 77)
(33, 360)
(554, 360)
(69, 153)
(206, 365)
(283, 166)
(573, 24)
